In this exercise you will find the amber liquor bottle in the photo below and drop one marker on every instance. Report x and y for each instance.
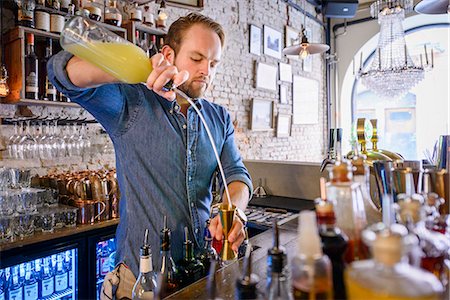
(31, 70)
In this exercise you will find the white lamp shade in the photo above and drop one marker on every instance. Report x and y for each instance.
(432, 7)
(311, 48)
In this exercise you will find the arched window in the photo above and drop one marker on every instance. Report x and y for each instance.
(410, 125)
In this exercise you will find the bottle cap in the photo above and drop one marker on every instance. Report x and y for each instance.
(359, 167)
(246, 285)
(30, 39)
(276, 255)
(145, 249)
(410, 207)
(341, 172)
(165, 236)
(388, 248)
(309, 244)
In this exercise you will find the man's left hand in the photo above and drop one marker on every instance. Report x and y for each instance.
(236, 236)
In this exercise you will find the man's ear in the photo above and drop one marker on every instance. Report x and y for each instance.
(169, 54)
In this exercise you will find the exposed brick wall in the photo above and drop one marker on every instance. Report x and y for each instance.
(232, 88)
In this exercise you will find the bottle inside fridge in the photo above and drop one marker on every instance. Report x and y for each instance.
(48, 277)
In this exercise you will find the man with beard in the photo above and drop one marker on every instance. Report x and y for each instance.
(165, 163)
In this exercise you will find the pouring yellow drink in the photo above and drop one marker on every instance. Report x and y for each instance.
(125, 61)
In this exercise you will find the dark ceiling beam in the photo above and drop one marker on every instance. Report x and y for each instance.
(297, 7)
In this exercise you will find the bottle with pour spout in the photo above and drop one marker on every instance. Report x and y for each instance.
(145, 285)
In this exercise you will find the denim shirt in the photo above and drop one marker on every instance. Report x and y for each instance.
(165, 162)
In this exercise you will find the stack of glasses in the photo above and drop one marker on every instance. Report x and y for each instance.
(24, 210)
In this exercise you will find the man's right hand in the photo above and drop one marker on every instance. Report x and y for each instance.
(162, 73)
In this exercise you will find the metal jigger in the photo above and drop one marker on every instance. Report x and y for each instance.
(226, 218)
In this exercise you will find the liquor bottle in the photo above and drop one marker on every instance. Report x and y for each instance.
(152, 48)
(136, 13)
(46, 89)
(211, 284)
(277, 283)
(167, 266)
(208, 253)
(146, 282)
(104, 259)
(361, 175)
(61, 278)
(434, 245)
(31, 287)
(311, 269)
(3, 284)
(387, 276)
(112, 14)
(95, 12)
(25, 12)
(68, 267)
(348, 202)
(31, 70)
(334, 241)
(190, 268)
(147, 16)
(246, 285)
(15, 284)
(47, 284)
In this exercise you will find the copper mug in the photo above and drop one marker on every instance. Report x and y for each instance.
(87, 210)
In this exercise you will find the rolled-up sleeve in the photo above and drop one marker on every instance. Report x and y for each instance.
(231, 159)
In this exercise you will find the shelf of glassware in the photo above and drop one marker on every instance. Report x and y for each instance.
(132, 26)
(43, 103)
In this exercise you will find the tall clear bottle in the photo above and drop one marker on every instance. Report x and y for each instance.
(334, 241)
(387, 276)
(61, 278)
(30, 288)
(277, 286)
(434, 245)
(311, 269)
(361, 175)
(15, 284)
(348, 201)
(168, 269)
(145, 285)
(47, 283)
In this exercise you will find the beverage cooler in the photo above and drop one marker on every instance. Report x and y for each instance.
(65, 267)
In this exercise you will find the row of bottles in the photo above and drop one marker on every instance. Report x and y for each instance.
(172, 276)
(40, 279)
(105, 261)
(49, 15)
(37, 84)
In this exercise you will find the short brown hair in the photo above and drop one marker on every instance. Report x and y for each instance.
(174, 37)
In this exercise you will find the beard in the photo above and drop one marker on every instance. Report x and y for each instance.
(194, 90)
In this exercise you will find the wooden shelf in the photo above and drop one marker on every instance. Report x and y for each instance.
(43, 103)
(150, 30)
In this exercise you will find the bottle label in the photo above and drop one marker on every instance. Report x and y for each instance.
(56, 23)
(16, 294)
(71, 283)
(145, 265)
(104, 266)
(60, 282)
(31, 83)
(113, 16)
(47, 287)
(31, 291)
(42, 20)
(50, 91)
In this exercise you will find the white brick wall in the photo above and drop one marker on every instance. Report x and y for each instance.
(232, 88)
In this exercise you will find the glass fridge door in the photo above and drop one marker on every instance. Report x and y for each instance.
(105, 257)
(48, 277)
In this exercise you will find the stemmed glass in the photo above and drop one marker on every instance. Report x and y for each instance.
(13, 141)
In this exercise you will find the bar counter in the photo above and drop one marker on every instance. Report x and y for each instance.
(226, 277)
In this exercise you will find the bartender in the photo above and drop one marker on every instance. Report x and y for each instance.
(165, 162)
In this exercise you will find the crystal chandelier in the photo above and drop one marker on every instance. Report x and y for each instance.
(392, 72)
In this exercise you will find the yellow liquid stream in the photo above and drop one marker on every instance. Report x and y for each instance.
(357, 292)
(125, 61)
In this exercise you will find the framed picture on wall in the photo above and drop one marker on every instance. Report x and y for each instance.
(266, 77)
(272, 42)
(261, 115)
(285, 72)
(255, 40)
(292, 36)
(186, 3)
(283, 125)
(283, 94)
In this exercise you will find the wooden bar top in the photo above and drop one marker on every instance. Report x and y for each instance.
(64, 232)
(226, 277)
